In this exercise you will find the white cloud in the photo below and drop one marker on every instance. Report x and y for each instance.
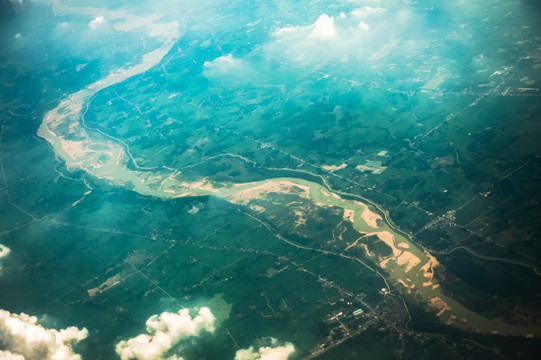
(271, 352)
(4, 251)
(367, 11)
(8, 355)
(223, 64)
(229, 69)
(163, 332)
(324, 28)
(286, 30)
(23, 338)
(351, 40)
(363, 26)
(327, 39)
(98, 20)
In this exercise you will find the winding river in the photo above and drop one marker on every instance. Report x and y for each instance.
(409, 267)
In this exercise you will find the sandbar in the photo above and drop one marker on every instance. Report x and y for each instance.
(275, 186)
(428, 270)
(349, 215)
(409, 287)
(370, 217)
(436, 303)
(388, 239)
(408, 260)
(73, 148)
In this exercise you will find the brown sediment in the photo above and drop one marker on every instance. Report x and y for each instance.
(388, 239)
(257, 208)
(349, 215)
(453, 320)
(437, 304)
(200, 185)
(428, 271)
(364, 246)
(408, 260)
(369, 217)
(301, 220)
(108, 284)
(352, 244)
(333, 168)
(272, 186)
(368, 252)
(409, 288)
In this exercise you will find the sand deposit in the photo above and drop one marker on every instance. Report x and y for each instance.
(370, 217)
(437, 304)
(349, 215)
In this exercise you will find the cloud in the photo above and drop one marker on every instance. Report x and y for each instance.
(324, 28)
(4, 251)
(363, 26)
(354, 41)
(163, 332)
(98, 20)
(367, 11)
(229, 69)
(306, 44)
(8, 355)
(223, 64)
(270, 352)
(22, 337)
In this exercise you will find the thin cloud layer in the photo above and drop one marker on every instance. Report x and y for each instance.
(352, 36)
(367, 11)
(23, 338)
(163, 332)
(271, 352)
